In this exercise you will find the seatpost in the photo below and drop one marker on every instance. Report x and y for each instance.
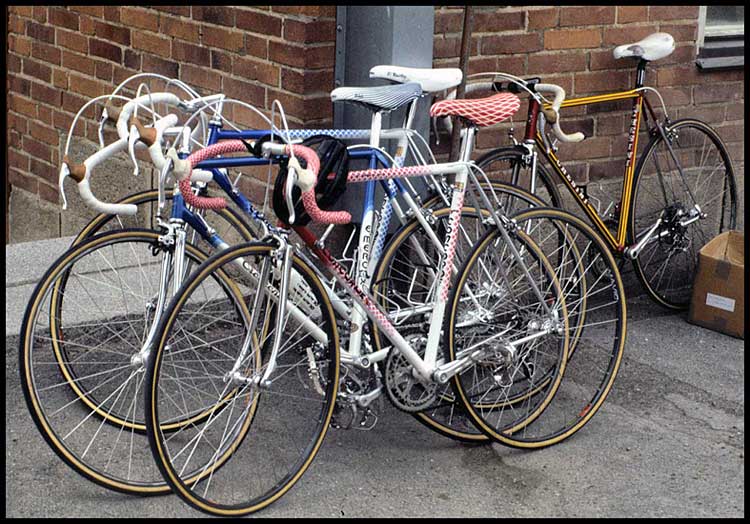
(640, 75)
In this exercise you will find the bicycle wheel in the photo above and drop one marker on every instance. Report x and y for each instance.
(261, 437)
(402, 283)
(81, 356)
(229, 223)
(516, 339)
(507, 165)
(691, 167)
(593, 291)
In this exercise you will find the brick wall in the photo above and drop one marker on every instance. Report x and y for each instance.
(572, 46)
(59, 57)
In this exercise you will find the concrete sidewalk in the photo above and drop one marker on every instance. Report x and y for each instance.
(668, 442)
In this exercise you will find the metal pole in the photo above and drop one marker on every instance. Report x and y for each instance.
(463, 63)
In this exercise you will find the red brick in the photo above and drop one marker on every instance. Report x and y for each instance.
(16, 25)
(587, 15)
(46, 134)
(18, 160)
(192, 54)
(615, 36)
(139, 17)
(179, 28)
(77, 62)
(26, 11)
(37, 149)
(113, 33)
(131, 59)
(557, 62)
(44, 170)
(542, 18)
(86, 25)
(37, 70)
(610, 124)
(47, 192)
(676, 96)
(45, 94)
(600, 81)
(60, 78)
(72, 103)
(572, 38)
(250, 69)
(40, 14)
(591, 147)
(103, 71)
(21, 86)
(221, 61)
(20, 44)
(603, 59)
(632, 13)
(515, 65)
(681, 32)
(44, 115)
(221, 15)
(725, 92)
(22, 105)
(503, 44)
(180, 10)
(22, 181)
(262, 23)
(307, 10)
(13, 63)
(307, 82)
(154, 64)
(480, 64)
(105, 50)
(245, 91)
(256, 46)
(63, 18)
(223, 38)
(113, 14)
(152, 43)
(673, 12)
(87, 86)
(72, 40)
(493, 21)
(93, 10)
(307, 32)
(201, 77)
(448, 21)
(43, 33)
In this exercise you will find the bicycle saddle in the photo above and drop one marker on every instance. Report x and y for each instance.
(481, 112)
(653, 47)
(431, 80)
(382, 98)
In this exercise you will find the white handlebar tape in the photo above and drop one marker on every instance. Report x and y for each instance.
(181, 167)
(145, 101)
(111, 209)
(305, 177)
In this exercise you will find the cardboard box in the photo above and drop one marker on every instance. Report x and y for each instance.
(718, 300)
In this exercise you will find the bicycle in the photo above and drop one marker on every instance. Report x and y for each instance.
(675, 197)
(252, 370)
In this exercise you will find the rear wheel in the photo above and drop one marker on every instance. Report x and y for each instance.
(686, 180)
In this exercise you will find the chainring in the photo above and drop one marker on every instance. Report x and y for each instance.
(407, 391)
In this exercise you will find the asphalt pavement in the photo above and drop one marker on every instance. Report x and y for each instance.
(668, 442)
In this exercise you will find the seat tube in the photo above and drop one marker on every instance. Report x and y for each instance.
(445, 269)
(362, 270)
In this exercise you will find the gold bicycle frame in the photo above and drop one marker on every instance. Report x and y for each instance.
(617, 243)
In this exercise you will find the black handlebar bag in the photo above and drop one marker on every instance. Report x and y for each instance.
(331, 184)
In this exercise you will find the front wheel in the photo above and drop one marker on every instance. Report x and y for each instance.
(212, 354)
(687, 181)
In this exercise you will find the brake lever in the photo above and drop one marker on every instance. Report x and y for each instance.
(100, 131)
(64, 172)
(133, 137)
(291, 180)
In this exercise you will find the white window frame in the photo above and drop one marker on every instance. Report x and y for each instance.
(720, 30)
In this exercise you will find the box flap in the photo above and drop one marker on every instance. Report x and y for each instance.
(727, 246)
